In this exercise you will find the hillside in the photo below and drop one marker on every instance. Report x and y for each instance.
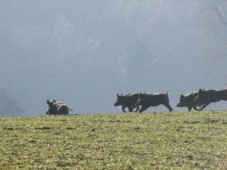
(178, 140)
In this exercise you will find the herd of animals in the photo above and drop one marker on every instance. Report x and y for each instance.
(197, 100)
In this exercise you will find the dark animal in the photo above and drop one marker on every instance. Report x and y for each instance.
(207, 96)
(127, 100)
(57, 107)
(188, 100)
(153, 99)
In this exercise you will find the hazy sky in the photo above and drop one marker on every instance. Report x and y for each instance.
(84, 52)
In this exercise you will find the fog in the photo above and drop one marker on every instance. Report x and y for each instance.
(85, 52)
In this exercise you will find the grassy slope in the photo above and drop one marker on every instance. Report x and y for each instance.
(178, 140)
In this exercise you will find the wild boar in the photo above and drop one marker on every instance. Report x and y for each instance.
(57, 107)
(207, 96)
(188, 100)
(127, 100)
(153, 99)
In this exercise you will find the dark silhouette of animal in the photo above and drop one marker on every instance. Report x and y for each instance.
(188, 100)
(127, 100)
(207, 96)
(57, 107)
(152, 99)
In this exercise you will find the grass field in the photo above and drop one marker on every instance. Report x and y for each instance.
(177, 140)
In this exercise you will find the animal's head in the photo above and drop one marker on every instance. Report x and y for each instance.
(51, 107)
(183, 101)
(119, 100)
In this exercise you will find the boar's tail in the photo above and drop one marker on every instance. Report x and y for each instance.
(167, 92)
(71, 110)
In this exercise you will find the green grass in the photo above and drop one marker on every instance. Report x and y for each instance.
(178, 140)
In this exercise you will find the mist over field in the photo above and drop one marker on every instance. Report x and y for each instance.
(85, 52)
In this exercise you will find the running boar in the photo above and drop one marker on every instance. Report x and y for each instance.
(127, 100)
(188, 100)
(57, 107)
(153, 99)
(207, 96)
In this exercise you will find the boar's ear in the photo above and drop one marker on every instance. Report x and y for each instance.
(54, 100)
(117, 95)
(48, 102)
(200, 90)
(181, 96)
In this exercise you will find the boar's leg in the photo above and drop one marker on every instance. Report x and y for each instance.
(144, 107)
(168, 106)
(205, 105)
(190, 108)
(130, 108)
(123, 108)
(137, 105)
(201, 106)
(197, 108)
(137, 108)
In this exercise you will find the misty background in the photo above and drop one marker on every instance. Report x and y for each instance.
(85, 52)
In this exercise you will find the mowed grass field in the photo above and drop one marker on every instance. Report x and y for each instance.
(176, 140)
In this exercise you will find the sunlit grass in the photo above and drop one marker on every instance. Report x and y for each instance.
(178, 140)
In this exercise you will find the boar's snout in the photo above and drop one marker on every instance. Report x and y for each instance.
(116, 104)
(179, 105)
